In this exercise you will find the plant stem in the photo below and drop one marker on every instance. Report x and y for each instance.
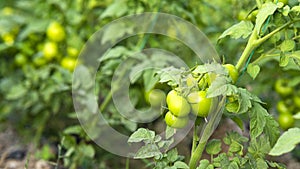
(247, 51)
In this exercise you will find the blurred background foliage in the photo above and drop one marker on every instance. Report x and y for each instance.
(41, 40)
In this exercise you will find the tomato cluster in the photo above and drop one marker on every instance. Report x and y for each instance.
(195, 100)
(288, 105)
(39, 51)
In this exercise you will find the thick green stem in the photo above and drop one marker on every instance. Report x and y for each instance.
(247, 51)
(197, 155)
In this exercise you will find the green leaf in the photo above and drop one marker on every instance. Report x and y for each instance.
(141, 134)
(87, 150)
(284, 60)
(271, 130)
(257, 116)
(150, 79)
(297, 115)
(267, 9)
(172, 155)
(286, 142)
(242, 29)
(203, 164)
(170, 132)
(148, 151)
(287, 45)
(213, 147)
(17, 91)
(261, 164)
(117, 9)
(170, 75)
(73, 130)
(253, 70)
(296, 9)
(235, 147)
(286, 10)
(180, 164)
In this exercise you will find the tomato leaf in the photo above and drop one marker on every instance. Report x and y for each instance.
(284, 60)
(287, 45)
(253, 70)
(141, 134)
(180, 164)
(266, 10)
(147, 151)
(242, 29)
(286, 142)
(257, 120)
(213, 147)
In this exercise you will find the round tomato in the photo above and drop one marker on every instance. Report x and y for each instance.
(68, 63)
(297, 100)
(176, 122)
(199, 103)
(177, 104)
(282, 107)
(242, 15)
(155, 97)
(286, 121)
(50, 50)
(282, 88)
(8, 39)
(72, 52)
(56, 32)
(252, 15)
(20, 59)
(39, 61)
(233, 72)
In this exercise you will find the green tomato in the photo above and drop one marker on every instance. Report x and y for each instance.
(39, 61)
(296, 100)
(68, 63)
(50, 50)
(233, 72)
(252, 15)
(286, 121)
(282, 88)
(56, 32)
(155, 97)
(242, 15)
(199, 103)
(177, 104)
(176, 122)
(72, 52)
(282, 107)
(20, 59)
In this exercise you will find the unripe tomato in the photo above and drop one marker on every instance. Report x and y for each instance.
(56, 32)
(39, 61)
(252, 15)
(8, 39)
(68, 63)
(286, 121)
(177, 104)
(72, 52)
(282, 107)
(242, 15)
(50, 50)
(155, 97)
(20, 59)
(176, 122)
(199, 103)
(282, 88)
(233, 72)
(296, 100)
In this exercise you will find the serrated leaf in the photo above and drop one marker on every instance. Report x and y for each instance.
(267, 9)
(253, 70)
(172, 155)
(242, 29)
(271, 130)
(284, 60)
(170, 132)
(147, 151)
(203, 164)
(287, 45)
(261, 164)
(141, 134)
(213, 147)
(257, 120)
(286, 142)
(180, 164)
